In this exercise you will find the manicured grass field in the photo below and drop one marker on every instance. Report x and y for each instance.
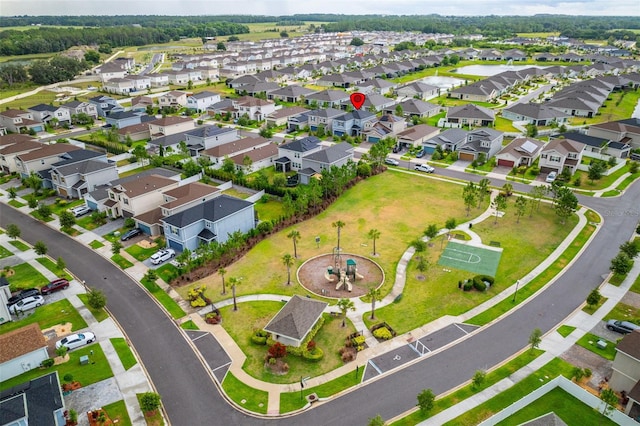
(121, 261)
(241, 324)
(95, 244)
(4, 252)
(624, 312)
(565, 406)
(50, 265)
(254, 400)
(565, 330)
(124, 352)
(189, 325)
(588, 341)
(98, 368)
(26, 276)
(590, 309)
(19, 245)
(15, 203)
(272, 209)
(636, 285)
(48, 315)
(117, 412)
(99, 314)
(601, 183)
(165, 300)
(165, 271)
(140, 253)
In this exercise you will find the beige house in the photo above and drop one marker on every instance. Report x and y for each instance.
(414, 136)
(42, 158)
(627, 131)
(560, 154)
(138, 196)
(8, 153)
(173, 98)
(626, 370)
(170, 126)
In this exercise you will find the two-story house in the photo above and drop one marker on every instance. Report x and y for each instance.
(253, 108)
(199, 102)
(73, 179)
(626, 131)
(352, 123)
(105, 105)
(389, 125)
(123, 119)
(449, 140)
(119, 86)
(560, 154)
(134, 197)
(110, 70)
(173, 98)
(43, 158)
(626, 371)
(78, 107)
(314, 163)
(323, 118)
(290, 154)
(46, 113)
(13, 145)
(170, 125)
(207, 137)
(281, 116)
(233, 148)
(18, 121)
(480, 141)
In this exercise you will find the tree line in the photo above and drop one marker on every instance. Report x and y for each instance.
(42, 72)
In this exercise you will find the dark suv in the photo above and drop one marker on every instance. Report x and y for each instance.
(23, 294)
(130, 234)
(623, 327)
(55, 285)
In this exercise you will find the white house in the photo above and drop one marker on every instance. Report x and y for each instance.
(21, 350)
(203, 100)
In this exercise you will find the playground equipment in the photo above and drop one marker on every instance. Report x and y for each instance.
(345, 276)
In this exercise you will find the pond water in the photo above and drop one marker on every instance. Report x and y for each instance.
(443, 82)
(490, 70)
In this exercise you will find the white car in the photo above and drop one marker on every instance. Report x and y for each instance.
(162, 255)
(391, 161)
(27, 303)
(551, 177)
(76, 340)
(80, 210)
(424, 168)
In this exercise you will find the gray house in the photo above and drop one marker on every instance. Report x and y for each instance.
(212, 220)
(294, 321)
(207, 137)
(481, 141)
(36, 402)
(336, 155)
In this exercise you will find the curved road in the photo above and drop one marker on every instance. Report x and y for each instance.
(190, 397)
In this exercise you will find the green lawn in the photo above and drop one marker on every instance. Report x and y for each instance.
(15, 203)
(290, 401)
(591, 309)
(99, 314)
(140, 253)
(48, 315)
(165, 300)
(616, 279)
(610, 111)
(124, 352)
(26, 276)
(154, 419)
(117, 412)
(249, 317)
(270, 210)
(565, 330)
(4, 252)
(121, 261)
(38, 216)
(95, 244)
(51, 266)
(189, 325)
(565, 406)
(19, 245)
(166, 271)
(636, 285)
(245, 396)
(601, 183)
(624, 312)
(97, 370)
(588, 341)
(86, 222)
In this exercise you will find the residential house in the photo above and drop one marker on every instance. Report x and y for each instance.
(36, 402)
(378, 85)
(597, 145)
(166, 144)
(199, 102)
(291, 93)
(449, 140)
(258, 158)
(9, 151)
(105, 105)
(158, 79)
(323, 118)
(135, 132)
(43, 158)
(315, 162)
(18, 121)
(352, 123)
(213, 220)
(625, 131)
(374, 102)
(140, 82)
(470, 115)
(123, 119)
(244, 80)
(216, 154)
(46, 113)
(290, 154)
(337, 80)
(21, 350)
(131, 198)
(626, 370)
(173, 98)
(415, 108)
(389, 125)
(73, 179)
(141, 103)
(327, 98)
(253, 108)
(520, 152)
(119, 86)
(78, 107)
(295, 320)
(559, 154)
(415, 136)
(257, 89)
(298, 122)
(280, 116)
(536, 114)
(206, 137)
(170, 125)
(418, 90)
(179, 78)
(480, 142)
(110, 70)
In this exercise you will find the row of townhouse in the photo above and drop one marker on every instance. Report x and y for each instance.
(36, 117)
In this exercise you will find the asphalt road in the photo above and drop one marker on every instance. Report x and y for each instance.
(190, 397)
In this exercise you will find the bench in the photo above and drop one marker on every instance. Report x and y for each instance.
(494, 243)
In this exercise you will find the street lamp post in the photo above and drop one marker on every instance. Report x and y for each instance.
(516, 292)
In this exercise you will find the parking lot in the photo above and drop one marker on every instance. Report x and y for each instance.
(214, 355)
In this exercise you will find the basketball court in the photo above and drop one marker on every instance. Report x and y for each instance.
(479, 260)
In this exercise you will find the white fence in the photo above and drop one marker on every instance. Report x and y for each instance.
(567, 386)
(256, 197)
(618, 166)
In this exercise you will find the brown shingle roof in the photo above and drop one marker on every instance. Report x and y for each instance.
(20, 342)
(146, 184)
(257, 154)
(630, 345)
(23, 146)
(14, 138)
(231, 148)
(49, 151)
(168, 121)
(186, 193)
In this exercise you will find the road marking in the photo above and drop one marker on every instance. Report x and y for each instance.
(375, 367)
(199, 337)
(461, 329)
(222, 366)
(397, 358)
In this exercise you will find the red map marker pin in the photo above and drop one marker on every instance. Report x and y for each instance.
(357, 100)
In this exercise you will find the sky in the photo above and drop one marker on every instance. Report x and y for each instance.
(290, 7)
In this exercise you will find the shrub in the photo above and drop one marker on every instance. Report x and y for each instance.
(278, 350)
(68, 378)
(311, 345)
(260, 337)
(48, 362)
(467, 286)
(382, 333)
(198, 302)
(348, 356)
(315, 355)
(479, 285)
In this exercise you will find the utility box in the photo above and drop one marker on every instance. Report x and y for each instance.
(84, 360)
(601, 344)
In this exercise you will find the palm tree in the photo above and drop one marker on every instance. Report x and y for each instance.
(233, 282)
(338, 224)
(287, 260)
(345, 305)
(374, 293)
(374, 234)
(295, 236)
(222, 271)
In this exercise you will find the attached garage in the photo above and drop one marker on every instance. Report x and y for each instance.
(92, 204)
(144, 228)
(506, 163)
(465, 156)
(175, 245)
(429, 149)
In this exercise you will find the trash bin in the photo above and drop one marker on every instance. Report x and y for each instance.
(84, 360)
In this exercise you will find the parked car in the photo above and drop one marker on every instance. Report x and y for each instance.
(420, 154)
(76, 340)
(23, 294)
(55, 285)
(551, 177)
(424, 168)
(391, 161)
(130, 234)
(80, 210)
(27, 303)
(162, 255)
(624, 327)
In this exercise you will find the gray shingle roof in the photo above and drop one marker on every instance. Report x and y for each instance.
(332, 154)
(302, 145)
(212, 210)
(296, 318)
(209, 131)
(83, 167)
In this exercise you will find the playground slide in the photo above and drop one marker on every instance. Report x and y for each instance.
(328, 277)
(358, 276)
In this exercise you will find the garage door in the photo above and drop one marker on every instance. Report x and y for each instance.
(429, 149)
(506, 163)
(144, 228)
(92, 205)
(175, 245)
(466, 156)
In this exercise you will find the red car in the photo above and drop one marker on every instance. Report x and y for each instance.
(55, 285)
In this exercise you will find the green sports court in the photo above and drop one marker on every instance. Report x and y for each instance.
(474, 259)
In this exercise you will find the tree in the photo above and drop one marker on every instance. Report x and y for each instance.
(565, 203)
(432, 231)
(594, 297)
(13, 193)
(507, 189)
(67, 219)
(284, 34)
(534, 339)
(470, 196)
(478, 378)
(96, 298)
(140, 152)
(356, 41)
(190, 168)
(149, 402)
(376, 421)
(621, 264)
(345, 305)
(483, 189)
(374, 294)
(532, 130)
(596, 170)
(34, 182)
(295, 237)
(425, 400)
(631, 248)
(233, 282)
(13, 74)
(419, 245)
(32, 201)
(610, 399)
(374, 234)
(399, 110)
(287, 260)
(116, 246)
(151, 275)
(13, 231)
(338, 225)
(59, 68)
(92, 56)
(44, 210)
(499, 204)
(521, 206)
(60, 264)
(222, 273)
(537, 192)
(40, 248)
(450, 224)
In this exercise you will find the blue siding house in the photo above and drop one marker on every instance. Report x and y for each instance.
(352, 123)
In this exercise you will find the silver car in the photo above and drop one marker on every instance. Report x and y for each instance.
(162, 255)
(27, 303)
(76, 340)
